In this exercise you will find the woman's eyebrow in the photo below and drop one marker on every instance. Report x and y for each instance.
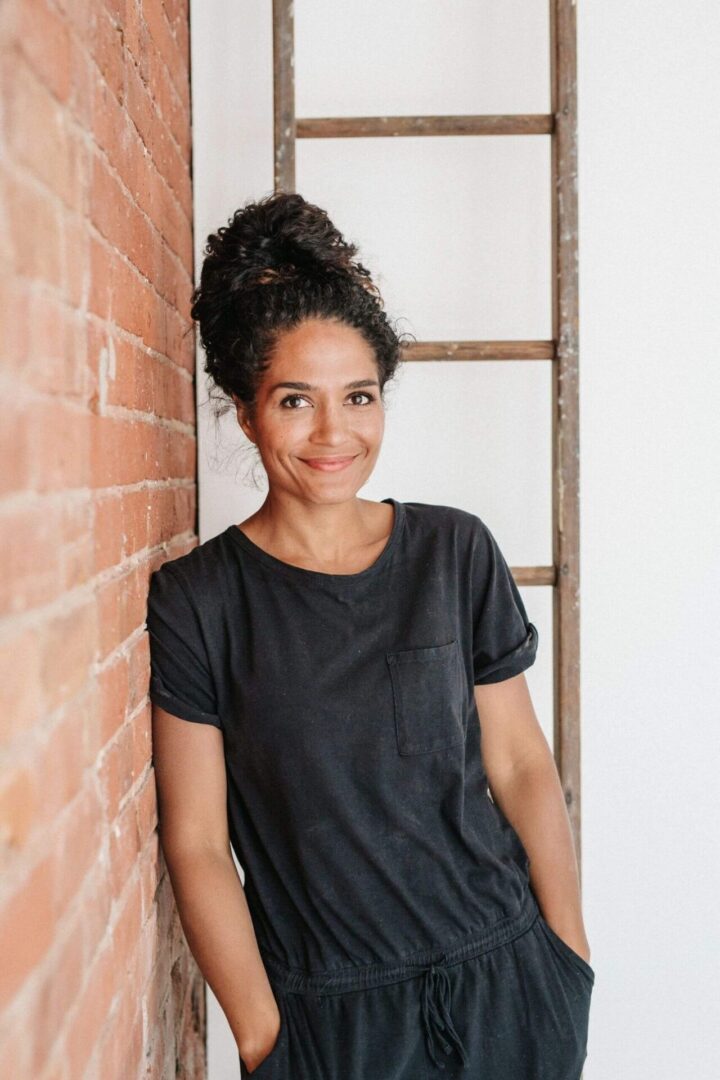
(355, 385)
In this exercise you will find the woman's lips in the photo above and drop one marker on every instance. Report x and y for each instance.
(328, 464)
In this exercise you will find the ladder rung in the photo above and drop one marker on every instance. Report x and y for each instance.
(534, 575)
(479, 350)
(339, 127)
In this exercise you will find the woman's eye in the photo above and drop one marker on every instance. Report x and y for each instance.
(298, 397)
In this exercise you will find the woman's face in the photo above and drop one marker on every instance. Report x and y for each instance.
(319, 420)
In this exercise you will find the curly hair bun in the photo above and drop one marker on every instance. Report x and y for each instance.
(277, 262)
(282, 237)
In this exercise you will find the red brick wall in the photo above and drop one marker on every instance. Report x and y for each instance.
(97, 487)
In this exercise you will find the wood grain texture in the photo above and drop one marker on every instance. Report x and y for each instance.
(348, 127)
(565, 406)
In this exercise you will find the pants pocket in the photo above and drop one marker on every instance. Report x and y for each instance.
(565, 951)
(268, 1067)
(428, 697)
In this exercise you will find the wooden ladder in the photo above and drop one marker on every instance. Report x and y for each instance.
(562, 351)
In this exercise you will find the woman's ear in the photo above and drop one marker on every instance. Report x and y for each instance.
(243, 418)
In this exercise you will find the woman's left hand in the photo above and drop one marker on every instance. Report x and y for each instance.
(578, 942)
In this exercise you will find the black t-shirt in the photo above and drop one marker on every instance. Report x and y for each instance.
(358, 805)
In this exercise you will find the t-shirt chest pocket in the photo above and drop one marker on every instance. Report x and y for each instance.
(428, 697)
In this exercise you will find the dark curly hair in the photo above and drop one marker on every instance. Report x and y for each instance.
(278, 261)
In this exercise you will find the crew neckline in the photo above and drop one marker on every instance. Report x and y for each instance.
(301, 573)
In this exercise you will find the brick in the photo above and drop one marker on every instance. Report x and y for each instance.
(60, 445)
(34, 230)
(92, 1008)
(119, 139)
(130, 232)
(27, 927)
(106, 45)
(115, 771)
(62, 762)
(44, 38)
(68, 650)
(75, 856)
(18, 803)
(48, 1007)
(14, 320)
(107, 532)
(113, 683)
(173, 109)
(76, 261)
(121, 1048)
(135, 514)
(20, 679)
(157, 140)
(31, 559)
(17, 450)
(175, 63)
(56, 343)
(39, 136)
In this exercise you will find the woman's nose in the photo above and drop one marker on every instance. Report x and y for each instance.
(329, 423)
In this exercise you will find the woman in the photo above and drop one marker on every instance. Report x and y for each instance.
(337, 659)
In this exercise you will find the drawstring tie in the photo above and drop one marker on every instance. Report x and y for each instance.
(436, 1014)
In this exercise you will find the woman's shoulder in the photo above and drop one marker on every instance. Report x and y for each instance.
(196, 570)
(443, 515)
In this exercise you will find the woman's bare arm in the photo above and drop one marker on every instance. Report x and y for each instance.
(192, 788)
(525, 784)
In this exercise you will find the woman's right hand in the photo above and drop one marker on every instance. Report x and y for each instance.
(254, 1053)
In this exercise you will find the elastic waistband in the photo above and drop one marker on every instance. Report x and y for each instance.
(337, 980)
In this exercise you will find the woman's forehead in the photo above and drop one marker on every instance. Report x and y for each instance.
(325, 349)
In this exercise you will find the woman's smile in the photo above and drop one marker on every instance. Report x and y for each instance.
(328, 464)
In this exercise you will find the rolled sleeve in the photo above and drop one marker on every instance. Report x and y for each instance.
(180, 676)
(505, 642)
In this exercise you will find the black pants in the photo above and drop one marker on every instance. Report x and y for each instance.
(512, 1005)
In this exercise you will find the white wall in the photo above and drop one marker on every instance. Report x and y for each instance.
(457, 233)
(649, 91)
